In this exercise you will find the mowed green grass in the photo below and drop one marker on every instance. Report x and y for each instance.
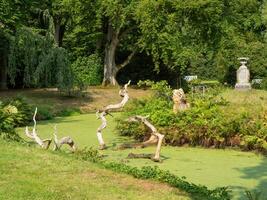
(32, 173)
(252, 101)
(211, 167)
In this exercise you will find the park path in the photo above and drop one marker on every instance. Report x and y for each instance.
(211, 167)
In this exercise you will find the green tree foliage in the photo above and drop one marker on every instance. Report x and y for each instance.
(13, 113)
(54, 14)
(83, 35)
(12, 15)
(109, 28)
(201, 37)
(206, 123)
(34, 59)
(87, 71)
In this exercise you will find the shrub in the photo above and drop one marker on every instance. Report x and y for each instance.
(88, 154)
(24, 110)
(205, 123)
(87, 71)
(44, 113)
(161, 88)
(68, 112)
(7, 122)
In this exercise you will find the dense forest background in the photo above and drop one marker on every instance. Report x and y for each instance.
(75, 43)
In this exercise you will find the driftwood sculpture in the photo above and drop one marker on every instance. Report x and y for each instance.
(65, 140)
(106, 110)
(101, 127)
(179, 101)
(34, 136)
(156, 137)
(123, 93)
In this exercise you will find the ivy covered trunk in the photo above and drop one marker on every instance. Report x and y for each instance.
(110, 68)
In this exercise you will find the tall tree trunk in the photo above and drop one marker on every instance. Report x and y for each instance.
(59, 31)
(110, 68)
(3, 71)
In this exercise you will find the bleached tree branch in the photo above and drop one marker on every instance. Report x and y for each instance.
(123, 93)
(65, 140)
(102, 113)
(34, 136)
(100, 128)
(155, 134)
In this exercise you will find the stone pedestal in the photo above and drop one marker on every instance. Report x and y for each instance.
(243, 76)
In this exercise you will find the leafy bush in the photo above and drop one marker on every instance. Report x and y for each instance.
(34, 61)
(205, 123)
(45, 113)
(88, 154)
(87, 71)
(254, 195)
(161, 88)
(23, 114)
(8, 122)
(68, 112)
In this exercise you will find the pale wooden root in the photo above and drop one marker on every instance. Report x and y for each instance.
(46, 143)
(154, 133)
(157, 153)
(100, 128)
(123, 93)
(65, 140)
(34, 136)
(151, 141)
(28, 134)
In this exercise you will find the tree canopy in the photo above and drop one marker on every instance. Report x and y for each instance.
(199, 37)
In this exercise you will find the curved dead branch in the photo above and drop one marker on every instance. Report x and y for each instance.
(100, 128)
(123, 93)
(34, 136)
(106, 110)
(65, 140)
(155, 137)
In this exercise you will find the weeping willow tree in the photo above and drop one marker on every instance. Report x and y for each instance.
(35, 61)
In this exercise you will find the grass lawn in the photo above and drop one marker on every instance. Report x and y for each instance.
(210, 167)
(253, 101)
(94, 98)
(31, 173)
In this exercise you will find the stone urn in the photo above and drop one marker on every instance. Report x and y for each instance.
(243, 75)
